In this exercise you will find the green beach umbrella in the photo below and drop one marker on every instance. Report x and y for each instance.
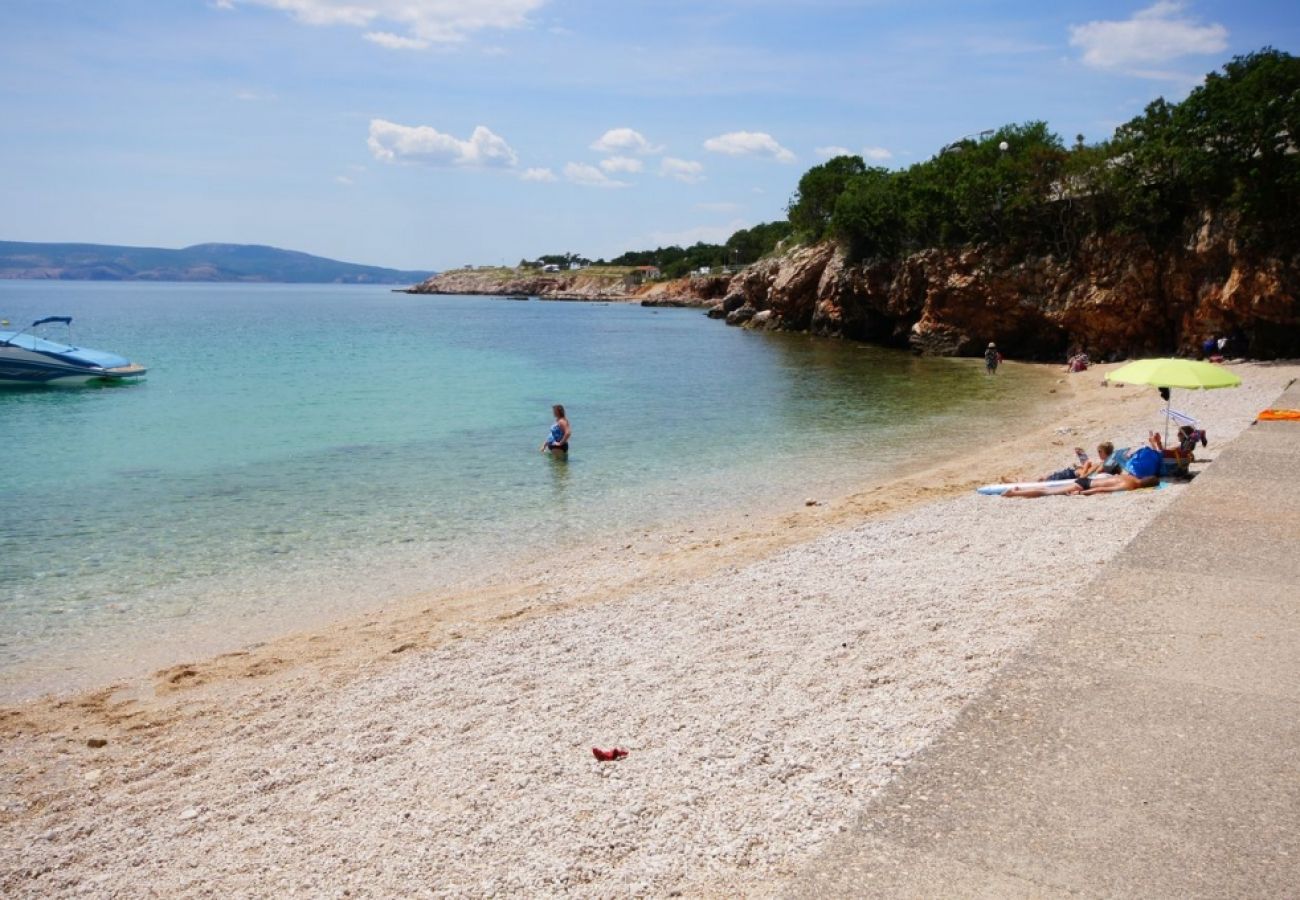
(1175, 373)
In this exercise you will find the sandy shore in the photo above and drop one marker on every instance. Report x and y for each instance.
(766, 679)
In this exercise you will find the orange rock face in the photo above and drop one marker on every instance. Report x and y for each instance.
(1114, 297)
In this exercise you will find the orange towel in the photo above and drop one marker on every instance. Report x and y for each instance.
(1279, 415)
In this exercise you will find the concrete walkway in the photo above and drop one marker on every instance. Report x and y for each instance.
(1148, 745)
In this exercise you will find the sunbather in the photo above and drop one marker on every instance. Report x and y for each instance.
(1140, 468)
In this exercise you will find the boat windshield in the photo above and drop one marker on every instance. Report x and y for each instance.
(32, 342)
(66, 352)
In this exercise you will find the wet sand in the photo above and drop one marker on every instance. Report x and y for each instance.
(765, 676)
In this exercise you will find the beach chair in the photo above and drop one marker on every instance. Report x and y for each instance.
(1176, 463)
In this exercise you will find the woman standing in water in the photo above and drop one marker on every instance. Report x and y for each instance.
(557, 442)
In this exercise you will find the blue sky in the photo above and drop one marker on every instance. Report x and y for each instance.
(433, 133)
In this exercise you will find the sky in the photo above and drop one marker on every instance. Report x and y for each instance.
(429, 134)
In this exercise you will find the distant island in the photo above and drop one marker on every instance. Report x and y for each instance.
(202, 262)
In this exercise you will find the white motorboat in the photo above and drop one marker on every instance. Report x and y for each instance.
(26, 359)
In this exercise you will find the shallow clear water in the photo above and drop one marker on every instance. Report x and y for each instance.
(301, 449)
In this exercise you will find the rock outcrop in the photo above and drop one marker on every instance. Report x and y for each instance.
(579, 285)
(584, 284)
(1114, 297)
(694, 290)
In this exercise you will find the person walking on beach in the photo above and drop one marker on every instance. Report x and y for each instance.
(991, 358)
(557, 442)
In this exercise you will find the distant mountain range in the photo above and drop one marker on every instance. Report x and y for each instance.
(202, 262)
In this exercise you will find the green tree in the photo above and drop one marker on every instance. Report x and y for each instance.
(752, 244)
(1239, 134)
(870, 215)
(813, 204)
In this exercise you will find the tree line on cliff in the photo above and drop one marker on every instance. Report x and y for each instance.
(746, 246)
(1230, 147)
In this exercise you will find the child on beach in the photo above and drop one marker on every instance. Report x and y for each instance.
(557, 442)
(1086, 466)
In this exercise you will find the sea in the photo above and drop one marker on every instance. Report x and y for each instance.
(300, 453)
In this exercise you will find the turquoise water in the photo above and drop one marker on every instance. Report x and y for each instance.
(299, 449)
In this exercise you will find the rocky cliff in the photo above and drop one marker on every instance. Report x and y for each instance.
(1114, 297)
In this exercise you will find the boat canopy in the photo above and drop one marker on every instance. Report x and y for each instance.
(75, 355)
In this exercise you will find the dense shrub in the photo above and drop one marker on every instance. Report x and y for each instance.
(1230, 147)
(742, 248)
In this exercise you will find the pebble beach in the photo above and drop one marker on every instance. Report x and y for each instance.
(765, 679)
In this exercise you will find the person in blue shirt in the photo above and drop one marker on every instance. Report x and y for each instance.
(1140, 469)
(557, 442)
(1131, 470)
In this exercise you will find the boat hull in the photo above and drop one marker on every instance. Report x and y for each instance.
(44, 363)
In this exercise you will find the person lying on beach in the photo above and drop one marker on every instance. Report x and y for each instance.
(1138, 469)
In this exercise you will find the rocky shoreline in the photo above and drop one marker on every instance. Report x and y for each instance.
(584, 285)
(1113, 297)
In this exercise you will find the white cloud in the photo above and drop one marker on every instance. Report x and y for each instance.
(876, 154)
(395, 41)
(1159, 33)
(749, 143)
(832, 152)
(624, 140)
(537, 174)
(390, 142)
(685, 170)
(249, 96)
(590, 176)
(428, 21)
(622, 164)
(344, 180)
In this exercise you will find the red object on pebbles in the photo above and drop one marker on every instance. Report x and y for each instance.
(608, 755)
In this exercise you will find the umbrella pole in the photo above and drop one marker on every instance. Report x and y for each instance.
(1167, 403)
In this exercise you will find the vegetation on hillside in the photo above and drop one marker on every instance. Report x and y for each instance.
(1230, 148)
(742, 248)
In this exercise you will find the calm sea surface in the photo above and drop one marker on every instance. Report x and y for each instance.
(302, 450)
